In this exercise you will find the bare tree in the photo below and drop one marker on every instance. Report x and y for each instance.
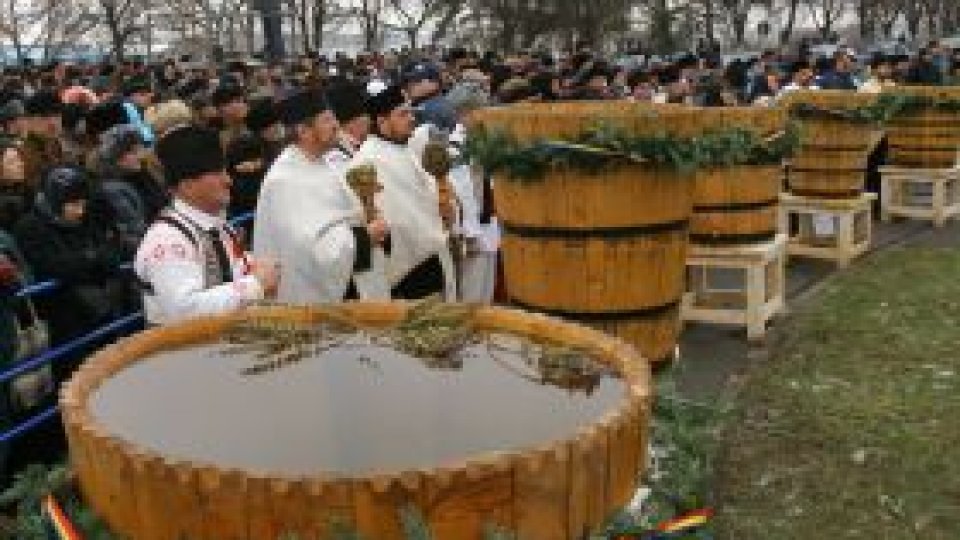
(452, 11)
(735, 13)
(414, 15)
(121, 19)
(793, 6)
(48, 25)
(826, 13)
(369, 13)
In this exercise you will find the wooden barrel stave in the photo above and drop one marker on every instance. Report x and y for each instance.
(925, 158)
(827, 183)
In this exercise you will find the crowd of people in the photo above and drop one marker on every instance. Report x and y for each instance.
(105, 164)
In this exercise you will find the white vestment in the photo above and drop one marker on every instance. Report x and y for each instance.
(410, 205)
(478, 270)
(304, 219)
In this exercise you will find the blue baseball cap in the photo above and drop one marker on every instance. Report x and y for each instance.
(421, 72)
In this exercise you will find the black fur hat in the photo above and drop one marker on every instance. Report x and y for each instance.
(189, 152)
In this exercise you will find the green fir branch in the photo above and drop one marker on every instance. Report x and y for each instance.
(603, 146)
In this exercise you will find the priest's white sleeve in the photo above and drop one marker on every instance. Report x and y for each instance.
(334, 252)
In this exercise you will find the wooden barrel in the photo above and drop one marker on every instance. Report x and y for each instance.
(606, 248)
(928, 138)
(736, 205)
(607, 251)
(559, 490)
(824, 166)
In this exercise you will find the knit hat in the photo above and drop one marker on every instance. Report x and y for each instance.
(348, 101)
(386, 101)
(43, 103)
(188, 153)
(301, 106)
(64, 184)
(117, 141)
(136, 85)
(11, 110)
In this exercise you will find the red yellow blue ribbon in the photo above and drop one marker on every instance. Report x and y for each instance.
(62, 527)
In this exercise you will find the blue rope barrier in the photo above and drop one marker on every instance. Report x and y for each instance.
(54, 353)
(50, 285)
(29, 424)
(58, 351)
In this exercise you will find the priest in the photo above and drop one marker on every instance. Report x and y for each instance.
(310, 220)
(419, 264)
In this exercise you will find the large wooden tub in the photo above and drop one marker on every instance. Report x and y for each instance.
(927, 138)
(607, 251)
(556, 489)
(737, 204)
(606, 248)
(822, 167)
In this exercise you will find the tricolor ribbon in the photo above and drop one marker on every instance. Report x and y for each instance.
(61, 525)
(671, 529)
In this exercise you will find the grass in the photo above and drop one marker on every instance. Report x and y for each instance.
(852, 429)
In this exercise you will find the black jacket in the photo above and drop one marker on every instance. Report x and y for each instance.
(134, 200)
(86, 259)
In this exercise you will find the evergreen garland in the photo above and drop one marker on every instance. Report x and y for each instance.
(604, 146)
(887, 107)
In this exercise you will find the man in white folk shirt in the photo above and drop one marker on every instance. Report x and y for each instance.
(190, 263)
(419, 263)
(310, 220)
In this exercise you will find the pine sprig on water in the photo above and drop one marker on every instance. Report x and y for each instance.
(433, 329)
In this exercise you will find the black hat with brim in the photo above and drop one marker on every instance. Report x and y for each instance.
(385, 102)
(348, 101)
(189, 152)
(302, 106)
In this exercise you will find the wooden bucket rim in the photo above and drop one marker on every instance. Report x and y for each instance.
(107, 362)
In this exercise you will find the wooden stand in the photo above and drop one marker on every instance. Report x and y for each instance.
(851, 226)
(759, 299)
(942, 202)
